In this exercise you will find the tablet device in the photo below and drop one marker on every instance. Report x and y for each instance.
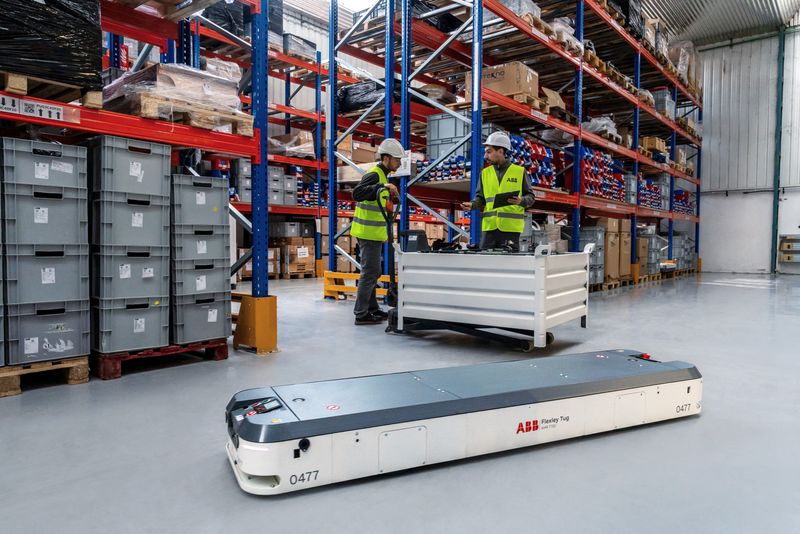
(501, 199)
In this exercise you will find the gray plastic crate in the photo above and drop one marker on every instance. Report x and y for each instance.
(130, 219)
(444, 131)
(40, 163)
(130, 271)
(195, 242)
(290, 198)
(129, 324)
(199, 200)
(35, 214)
(47, 331)
(44, 273)
(246, 194)
(121, 165)
(276, 184)
(201, 276)
(200, 317)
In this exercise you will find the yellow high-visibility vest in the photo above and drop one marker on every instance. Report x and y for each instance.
(368, 222)
(507, 218)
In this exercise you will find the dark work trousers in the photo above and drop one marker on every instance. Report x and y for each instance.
(371, 270)
(498, 239)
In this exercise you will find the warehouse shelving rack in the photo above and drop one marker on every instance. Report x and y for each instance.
(442, 58)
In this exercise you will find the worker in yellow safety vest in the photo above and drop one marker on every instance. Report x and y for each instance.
(502, 225)
(369, 227)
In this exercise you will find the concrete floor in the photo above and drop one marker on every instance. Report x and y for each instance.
(145, 453)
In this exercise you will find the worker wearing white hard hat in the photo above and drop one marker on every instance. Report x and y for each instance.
(504, 192)
(369, 227)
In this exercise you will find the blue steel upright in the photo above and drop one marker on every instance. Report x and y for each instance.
(318, 153)
(637, 81)
(405, 107)
(476, 160)
(575, 245)
(672, 151)
(196, 45)
(388, 103)
(168, 54)
(333, 113)
(287, 90)
(260, 201)
(114, 50)
(184, 50)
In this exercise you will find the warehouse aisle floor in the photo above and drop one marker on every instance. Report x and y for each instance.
(146, 453)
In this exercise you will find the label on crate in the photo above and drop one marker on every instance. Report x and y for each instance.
(31, 345)
(148, 272)
(302, 252)
(136, 170)
(61, 166)
(138, 325)
(41, 171)
(200, 198)
(40, 215)
(212, 315)
(137, 219)
(200, 283)
(48, 275)
(202, 246)
(124, 271)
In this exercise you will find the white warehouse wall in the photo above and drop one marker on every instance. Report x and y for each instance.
(738, 154)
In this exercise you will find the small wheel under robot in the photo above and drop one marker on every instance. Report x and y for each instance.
(528, 346)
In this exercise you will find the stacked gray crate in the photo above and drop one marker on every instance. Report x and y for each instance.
(596, 235)
(201, 298)
(46, 251)
(683, 251)
(130, 244)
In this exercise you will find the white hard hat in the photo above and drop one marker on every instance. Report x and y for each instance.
(391, 147)
(500, 139)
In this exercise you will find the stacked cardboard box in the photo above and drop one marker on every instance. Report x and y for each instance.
(625, 249)
(296, 254)
(347, 242)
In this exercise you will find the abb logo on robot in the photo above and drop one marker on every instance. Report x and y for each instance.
(528, 426)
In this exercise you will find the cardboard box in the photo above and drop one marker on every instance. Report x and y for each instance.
(642, 245)
(680, 156)
(297, 255)
(625, 254)
(624, 225)
(324, 245)
(653, 144)
(416, 225)
(346, 146)
(612, 256)
(292, 241)
(553, 99)
(650, 30)
(562, 246)
(350, 175)
(345, 242)
(610, 224)
(364, 153)
(341, 223)
(343, 266)
(507, 79)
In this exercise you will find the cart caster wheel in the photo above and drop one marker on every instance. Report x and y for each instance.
(527, 346)
(550, 338)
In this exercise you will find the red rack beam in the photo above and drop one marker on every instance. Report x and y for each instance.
(109, 123)
(606, 206)
(121, 20)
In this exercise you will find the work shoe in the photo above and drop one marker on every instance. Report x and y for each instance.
(380, 313)
(369, 319)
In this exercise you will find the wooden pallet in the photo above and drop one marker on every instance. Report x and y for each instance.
(614, 138)
(195, 114)
(645, 153)
(23, 85)
(109, 366)
(336, 287)
(73, 370)
(625, 282)
(611, 284)
(539, 24)
(591, 58)
(300, 275)
(564, 115)
(594, 288)
(171, 9)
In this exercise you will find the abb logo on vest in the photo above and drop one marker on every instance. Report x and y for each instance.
(528, 426)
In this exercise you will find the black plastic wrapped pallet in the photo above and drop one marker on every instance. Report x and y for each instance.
(444, 22)
(360, 96)
(276, 16)
(56, 40)
(632, 9)
(229, 16)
